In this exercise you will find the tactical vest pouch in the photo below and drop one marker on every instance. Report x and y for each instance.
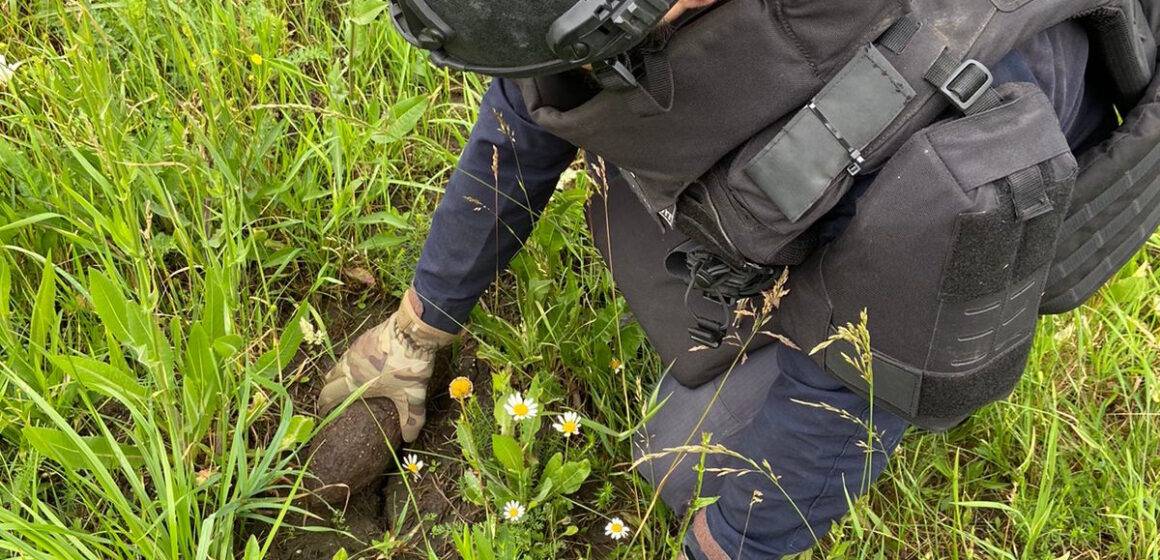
(1114, 211)
(765, 197)
(948, 253)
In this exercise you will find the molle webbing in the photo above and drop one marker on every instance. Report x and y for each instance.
(1115, 209)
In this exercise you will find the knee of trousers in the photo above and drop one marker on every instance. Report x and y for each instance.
(670, 473)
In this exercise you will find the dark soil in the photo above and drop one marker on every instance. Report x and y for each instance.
(387, 511)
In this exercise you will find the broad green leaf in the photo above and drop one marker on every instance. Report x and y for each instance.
(202, 381)
(703, 502)
(365, 12)
(386, 218)
(43, 314)
(102, 378)
(301, 427)
(63, 448)
(1128, 290)
(229, 345)
(342, 554)
(484, 549)
(472, 488)
(129, 324)
(570, 476)
(467, 443)
(216, 310)
(279, 357)
(546, 487)
(381, 242)
(253, 549)
(553, 465)
(405, 116)
(507, 452)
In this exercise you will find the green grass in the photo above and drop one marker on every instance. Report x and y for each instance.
(170, 209)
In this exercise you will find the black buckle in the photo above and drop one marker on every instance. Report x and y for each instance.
(970, 69)
(614, 74)
(708, 333)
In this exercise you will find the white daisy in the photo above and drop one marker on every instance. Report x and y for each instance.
(520, 408)
(568, 424)
(514, 511)
(7, 70)
(413, 465)
(617, 529)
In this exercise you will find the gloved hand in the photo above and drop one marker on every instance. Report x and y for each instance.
(394, 360)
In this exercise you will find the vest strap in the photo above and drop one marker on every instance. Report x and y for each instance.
(826, 139)
(966, 84)
(1029, 194)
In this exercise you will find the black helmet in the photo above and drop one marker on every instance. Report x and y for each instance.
(523, 38)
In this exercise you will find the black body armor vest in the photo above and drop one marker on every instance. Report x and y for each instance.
(748, 124)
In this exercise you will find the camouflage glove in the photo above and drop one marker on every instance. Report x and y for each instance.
(395, 361)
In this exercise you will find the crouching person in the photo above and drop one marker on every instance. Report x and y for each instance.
(721, 172)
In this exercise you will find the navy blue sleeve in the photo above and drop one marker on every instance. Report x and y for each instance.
(485, 214)
(1056, 60)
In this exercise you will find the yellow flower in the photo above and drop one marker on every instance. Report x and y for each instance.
(256, 59)
(617, 529)
(520, 408)
(514, 511)
(568, 424)
(461, 388)
(616, 365)
(412, 464)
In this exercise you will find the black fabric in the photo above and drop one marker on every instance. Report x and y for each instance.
(1115, 209)
(1029, 194)
(931, 255)
(1128, 56)
(983, 248)
(956, 392)
(1040, 235)
(797, 45)
(635, 251)
(899, 35)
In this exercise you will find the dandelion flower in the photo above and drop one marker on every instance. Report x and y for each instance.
(412, 464)
(514, 511)
(461, 388)
(520, 408)
(568, 424)
(616, 529)
(256, 59)
(616, 365)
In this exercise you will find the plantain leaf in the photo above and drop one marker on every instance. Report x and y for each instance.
(102, 378)
(62, 448)
(405, 116)
(508, 452)
(365, 12)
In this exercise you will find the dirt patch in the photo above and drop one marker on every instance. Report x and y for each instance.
(396, 514)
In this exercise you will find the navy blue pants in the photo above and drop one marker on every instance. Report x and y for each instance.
(775, 406)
